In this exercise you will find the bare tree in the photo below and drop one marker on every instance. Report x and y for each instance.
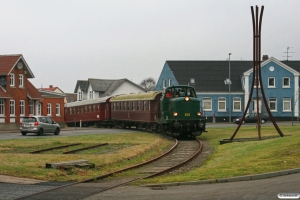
(148, 84)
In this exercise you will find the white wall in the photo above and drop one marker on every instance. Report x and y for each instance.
(126, 88)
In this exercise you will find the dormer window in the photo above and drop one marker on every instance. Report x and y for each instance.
(21, 80)
(12, 79)
(192, 80)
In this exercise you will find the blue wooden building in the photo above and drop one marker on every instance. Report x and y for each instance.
(280, 82)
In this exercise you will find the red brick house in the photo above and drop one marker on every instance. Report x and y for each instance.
(18, 97)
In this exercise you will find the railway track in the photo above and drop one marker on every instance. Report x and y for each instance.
(181, 153)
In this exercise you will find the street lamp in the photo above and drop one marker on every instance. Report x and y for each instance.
(227, 81)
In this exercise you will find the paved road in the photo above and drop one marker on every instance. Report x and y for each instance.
(15, 134)
(255, 189)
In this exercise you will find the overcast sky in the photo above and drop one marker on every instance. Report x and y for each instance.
(64, 41)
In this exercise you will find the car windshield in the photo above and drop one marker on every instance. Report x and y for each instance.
(29, 119)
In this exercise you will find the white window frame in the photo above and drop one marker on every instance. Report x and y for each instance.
(170, 82)
(284, 102)
(57, 109)
(12, 107)
(271, 86)
(286, 86)
(38, 109)
(12, 79)
(80, 96)
(2, 107)
(237, 100)
(21, 80)
(207, 100)
(222, 100)
(91, 94)
(164, 83)
(31, 108)
(273, 101)
(22, 108)
(49, 106)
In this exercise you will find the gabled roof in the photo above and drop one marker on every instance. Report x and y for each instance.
(51, 94)
(51, 89)
(104, 86)
(210, 75)
(32, 92)
(8, 62)
(81, 84)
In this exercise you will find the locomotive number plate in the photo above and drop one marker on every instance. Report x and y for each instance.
(187, 114)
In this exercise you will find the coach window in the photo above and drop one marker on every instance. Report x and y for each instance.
(149, 102)
(138, 105)
(90, 108)
(94, 108)
(128, 106)
(70, 111)
(125, 105)
(121, 104)
(133, 105)
(144, 107)
(85, 109)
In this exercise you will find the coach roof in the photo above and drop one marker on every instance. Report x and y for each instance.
(136, 97)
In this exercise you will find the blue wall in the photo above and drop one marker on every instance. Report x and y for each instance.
(166, 74)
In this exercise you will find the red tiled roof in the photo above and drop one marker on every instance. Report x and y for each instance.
(3, 94)
(7, 62)
(32, 92)
(48, 89)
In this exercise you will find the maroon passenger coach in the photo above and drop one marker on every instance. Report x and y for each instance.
(139, 110)
(88, 112)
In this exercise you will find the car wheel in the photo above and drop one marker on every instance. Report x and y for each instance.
(263, 121)
(23, 133)
(57, 131)
(41, 132)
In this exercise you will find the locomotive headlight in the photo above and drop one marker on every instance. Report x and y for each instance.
(175, 114)
(199, 114)
(187, 98)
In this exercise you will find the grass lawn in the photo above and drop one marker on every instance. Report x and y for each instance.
(272, 153)
(122, 150)
(244, 158)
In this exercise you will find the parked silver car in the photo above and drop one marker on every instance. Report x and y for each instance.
(39, 125)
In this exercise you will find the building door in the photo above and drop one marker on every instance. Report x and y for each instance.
(255, 105)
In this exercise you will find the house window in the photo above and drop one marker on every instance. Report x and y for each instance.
(192, 80)
(164, 83)
(207, 104)
(91, 95)
(57, 109)
(138, 105)
(12, 107)
(286, 104)
(286, 82)
(22, 107)
(80, 96)
(273, 104)
(21, 80)
(2, 106)
(133, 105)
(222, 104)
(49, 109)
(39, 109)
(271, 82)
(12, 80)
(170, 82)
(31, 108)
(237, 104)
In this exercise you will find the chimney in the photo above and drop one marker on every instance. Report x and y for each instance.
(50, 86)
(265, 57)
